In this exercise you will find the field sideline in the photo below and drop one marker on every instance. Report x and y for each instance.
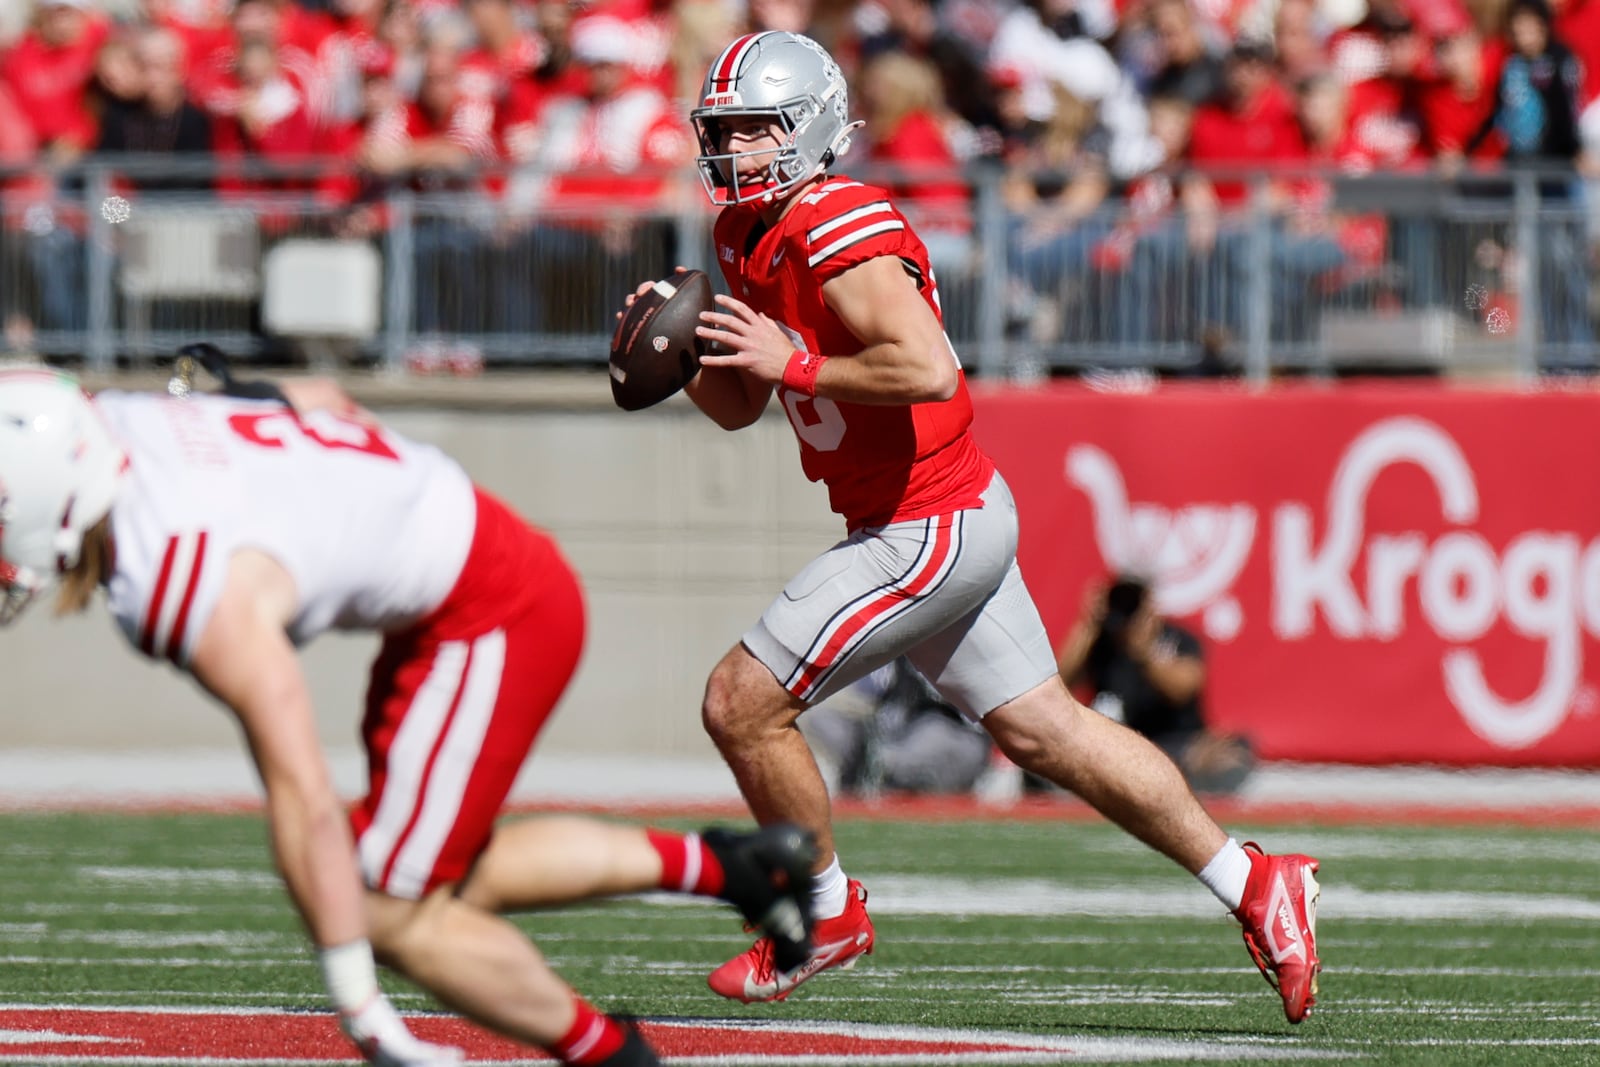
(1454, 931)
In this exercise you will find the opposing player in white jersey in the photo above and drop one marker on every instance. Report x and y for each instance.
(228, 531)
(835, 309)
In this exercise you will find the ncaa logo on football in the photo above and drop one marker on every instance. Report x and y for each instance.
(659, 342)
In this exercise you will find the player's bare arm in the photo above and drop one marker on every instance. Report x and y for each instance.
(245, 659)
(905, 357)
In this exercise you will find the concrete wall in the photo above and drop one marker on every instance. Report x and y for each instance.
(681, 531)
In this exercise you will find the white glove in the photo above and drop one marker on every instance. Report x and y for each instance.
(384, 1040)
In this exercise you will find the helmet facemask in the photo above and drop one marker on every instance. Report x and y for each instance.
(719, 169)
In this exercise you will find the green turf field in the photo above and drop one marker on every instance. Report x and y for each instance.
(1440, 946)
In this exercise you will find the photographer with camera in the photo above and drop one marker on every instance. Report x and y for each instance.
(1148, 673)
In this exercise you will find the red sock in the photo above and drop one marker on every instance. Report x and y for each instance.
(593, 1038)
(687, 865)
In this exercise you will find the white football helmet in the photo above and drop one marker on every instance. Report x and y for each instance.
(59, 474)
(794, 81)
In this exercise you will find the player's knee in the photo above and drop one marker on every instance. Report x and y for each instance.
(1026, 748)
(402, 930)
(1036, 732)
(725, 720)
(738, 710)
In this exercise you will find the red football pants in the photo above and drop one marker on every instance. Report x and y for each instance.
(453, 709)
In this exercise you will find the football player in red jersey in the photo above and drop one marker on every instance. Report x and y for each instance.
(226, 531)
(835, 308)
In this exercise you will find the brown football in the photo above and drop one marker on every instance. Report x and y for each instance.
(655, 352)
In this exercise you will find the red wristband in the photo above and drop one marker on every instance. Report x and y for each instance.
(801, 372)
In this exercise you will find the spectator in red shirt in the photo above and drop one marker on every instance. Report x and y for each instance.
(449, 131)
(593, 174)
(903, 107)
(271, 121)
(1453, 99)
(214, 79)
(353, 42)
(1385, 126)
(1251, 128)
(1254, 129)
(1460, 95)
(49, 71)
(1383, 114)
(1358, 52)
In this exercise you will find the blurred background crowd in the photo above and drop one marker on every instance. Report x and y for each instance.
(1128, 137)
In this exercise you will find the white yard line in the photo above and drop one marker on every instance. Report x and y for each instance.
(32, 777)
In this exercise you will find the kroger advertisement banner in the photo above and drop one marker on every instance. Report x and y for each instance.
(1380, 572)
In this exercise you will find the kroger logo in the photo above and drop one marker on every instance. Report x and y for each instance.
(1544, 585)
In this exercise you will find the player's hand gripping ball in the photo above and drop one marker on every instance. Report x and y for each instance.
(655, 352)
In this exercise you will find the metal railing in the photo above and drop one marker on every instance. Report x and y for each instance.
(1401, 272)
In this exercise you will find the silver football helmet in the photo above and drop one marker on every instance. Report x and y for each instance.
(59, 473)
(791, 79)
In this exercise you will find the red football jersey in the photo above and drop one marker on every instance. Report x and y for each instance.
(881, 463)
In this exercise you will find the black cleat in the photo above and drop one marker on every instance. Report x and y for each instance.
(635, 1052)
(767, 876)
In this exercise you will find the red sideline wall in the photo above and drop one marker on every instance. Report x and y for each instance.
(1381, 572)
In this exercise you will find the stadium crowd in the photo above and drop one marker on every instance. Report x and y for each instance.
(1106, 116)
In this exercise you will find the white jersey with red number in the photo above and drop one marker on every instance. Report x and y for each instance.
(373, 528)
(881, 463)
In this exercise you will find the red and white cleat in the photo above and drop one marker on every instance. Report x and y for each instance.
(837, 942)
(1279, 914)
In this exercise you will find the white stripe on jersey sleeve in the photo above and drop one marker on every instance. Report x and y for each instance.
(855, 237)
(877, 207)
